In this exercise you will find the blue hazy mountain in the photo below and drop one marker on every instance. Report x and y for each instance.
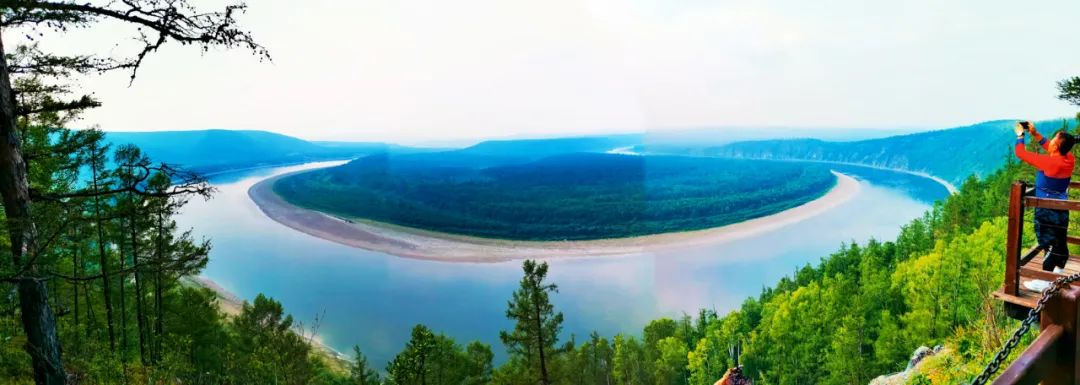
(657, 140)
(951, 154)
(671, 138)
(538, 148)
(216, 150)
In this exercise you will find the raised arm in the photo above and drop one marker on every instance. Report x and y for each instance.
(1038, 138)
(1040, 161)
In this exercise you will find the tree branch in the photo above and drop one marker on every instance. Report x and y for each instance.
(49, 106)
(169, 19)
(30, 60)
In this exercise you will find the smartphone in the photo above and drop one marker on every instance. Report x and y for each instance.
(1026, 125)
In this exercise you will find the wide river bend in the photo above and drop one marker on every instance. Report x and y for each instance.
(373, 300)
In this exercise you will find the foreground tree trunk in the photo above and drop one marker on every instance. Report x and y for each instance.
(106, 289)
(133, 228)
(123, 302)
(76, 270)
(540, 341)
(159, 312)
(39, 323)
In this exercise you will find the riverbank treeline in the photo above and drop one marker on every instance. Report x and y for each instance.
(578, 196)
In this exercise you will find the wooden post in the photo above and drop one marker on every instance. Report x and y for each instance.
(1051, 359)
(1062, 311)
(1015, 236)
(1038, 362)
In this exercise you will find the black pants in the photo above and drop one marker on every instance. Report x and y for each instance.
(1051, 227)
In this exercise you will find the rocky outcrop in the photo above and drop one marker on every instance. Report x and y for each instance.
(920, 355)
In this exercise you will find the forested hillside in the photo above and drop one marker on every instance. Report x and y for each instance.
(565, 197)
(951, 154)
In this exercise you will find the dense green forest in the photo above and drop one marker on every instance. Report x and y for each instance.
(562, 197)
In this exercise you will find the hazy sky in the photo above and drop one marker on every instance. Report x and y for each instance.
(412, 71)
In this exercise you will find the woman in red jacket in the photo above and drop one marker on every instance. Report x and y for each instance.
(1055, 170)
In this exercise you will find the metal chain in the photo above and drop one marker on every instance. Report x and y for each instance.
(1025, 326)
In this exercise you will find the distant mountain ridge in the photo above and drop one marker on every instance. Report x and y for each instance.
(952, 154)
(216, 150)
(546, 147)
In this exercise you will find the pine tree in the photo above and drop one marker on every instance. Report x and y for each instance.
(270, 352)
(1069, 91)
(478, 358)
(360, 372)
(537, 327)
(413, 366)
(156, 25)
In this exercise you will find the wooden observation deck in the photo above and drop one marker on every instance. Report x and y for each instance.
(1052, 358)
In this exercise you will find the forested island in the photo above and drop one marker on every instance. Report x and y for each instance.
(579, 196)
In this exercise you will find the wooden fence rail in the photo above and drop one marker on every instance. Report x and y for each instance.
(1052, 358)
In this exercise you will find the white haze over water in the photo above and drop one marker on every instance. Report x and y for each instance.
(429, 70)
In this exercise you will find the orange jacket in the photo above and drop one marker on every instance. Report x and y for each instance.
(1055, 170)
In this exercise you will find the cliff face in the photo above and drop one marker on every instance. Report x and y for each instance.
(951, 154)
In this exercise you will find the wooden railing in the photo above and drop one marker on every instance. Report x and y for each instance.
(1021, 198)
(1052, 358)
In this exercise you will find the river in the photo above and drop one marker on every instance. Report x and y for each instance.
(373, 300)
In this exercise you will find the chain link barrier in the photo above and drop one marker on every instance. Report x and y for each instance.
(1025, 326)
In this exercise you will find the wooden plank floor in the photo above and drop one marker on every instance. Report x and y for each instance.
(1071, 267)
(1031, 271)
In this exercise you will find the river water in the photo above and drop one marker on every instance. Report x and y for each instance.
(373, 300)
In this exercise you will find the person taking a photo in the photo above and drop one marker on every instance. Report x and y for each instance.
(1052, 179)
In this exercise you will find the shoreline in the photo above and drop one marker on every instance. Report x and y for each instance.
(231, 305)
(428, 245)
(951, 188)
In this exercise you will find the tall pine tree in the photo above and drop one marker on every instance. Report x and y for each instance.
(537, 327)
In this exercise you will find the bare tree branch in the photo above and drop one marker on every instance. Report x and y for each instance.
(167, 19)
(30, 60)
